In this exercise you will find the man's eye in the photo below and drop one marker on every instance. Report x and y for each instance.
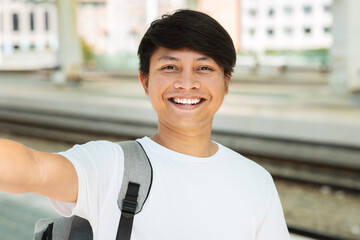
(169, 68)
(205, 68)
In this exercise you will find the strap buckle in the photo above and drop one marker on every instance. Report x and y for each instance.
(129, 206)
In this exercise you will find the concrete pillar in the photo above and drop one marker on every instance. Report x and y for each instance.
(345, 53)
(69, 54)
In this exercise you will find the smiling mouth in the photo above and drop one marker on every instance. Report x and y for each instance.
(187, 101)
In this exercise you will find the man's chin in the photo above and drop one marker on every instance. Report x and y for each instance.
(186, 124)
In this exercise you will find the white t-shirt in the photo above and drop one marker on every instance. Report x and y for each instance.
(225, 196)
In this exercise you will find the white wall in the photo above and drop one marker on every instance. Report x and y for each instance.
(281, 21)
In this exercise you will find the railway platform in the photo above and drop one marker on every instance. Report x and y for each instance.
(297, 121)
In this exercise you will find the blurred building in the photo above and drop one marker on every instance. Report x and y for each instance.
(27, 25)
(107, 25)
(114, 27)
(286, 25)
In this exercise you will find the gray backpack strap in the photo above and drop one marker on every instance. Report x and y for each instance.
(137, 169)
(135, 186)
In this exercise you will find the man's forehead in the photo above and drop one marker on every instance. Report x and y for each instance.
(174, 58)
(165, 54)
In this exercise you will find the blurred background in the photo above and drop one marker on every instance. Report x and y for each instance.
(68, 74)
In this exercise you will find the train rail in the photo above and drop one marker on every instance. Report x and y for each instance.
(78, 129)
(313, 234)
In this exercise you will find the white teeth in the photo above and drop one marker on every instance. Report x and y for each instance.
(186, 101)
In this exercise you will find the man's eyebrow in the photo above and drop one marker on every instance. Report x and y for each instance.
(171, 58)
(167, 57)
(204, 58)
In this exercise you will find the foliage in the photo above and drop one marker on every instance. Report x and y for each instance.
(88, 52)
(309, 52)
(320, 55)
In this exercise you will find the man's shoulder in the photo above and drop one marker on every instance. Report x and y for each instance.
(93, 149)
(244, 163)
(96, 144)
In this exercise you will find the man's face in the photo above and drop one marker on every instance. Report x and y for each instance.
(185, 87)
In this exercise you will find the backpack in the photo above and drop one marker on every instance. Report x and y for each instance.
(134, 191)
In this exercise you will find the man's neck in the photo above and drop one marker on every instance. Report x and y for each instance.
(195, 143)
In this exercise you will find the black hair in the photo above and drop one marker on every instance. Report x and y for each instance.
(191, 29)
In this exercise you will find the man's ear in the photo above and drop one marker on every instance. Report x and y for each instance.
(227, 83)
(144, 79)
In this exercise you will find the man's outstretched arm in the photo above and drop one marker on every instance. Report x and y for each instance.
(23, 169)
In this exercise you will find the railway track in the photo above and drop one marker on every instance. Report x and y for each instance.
(313, 234)
(338, 179)
(77, 129)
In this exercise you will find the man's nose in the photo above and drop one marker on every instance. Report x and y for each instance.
(187, 80)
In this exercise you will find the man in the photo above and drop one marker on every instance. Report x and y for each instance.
(200, 189)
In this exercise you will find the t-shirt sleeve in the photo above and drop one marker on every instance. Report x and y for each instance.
(99, 166)
(273, 225)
